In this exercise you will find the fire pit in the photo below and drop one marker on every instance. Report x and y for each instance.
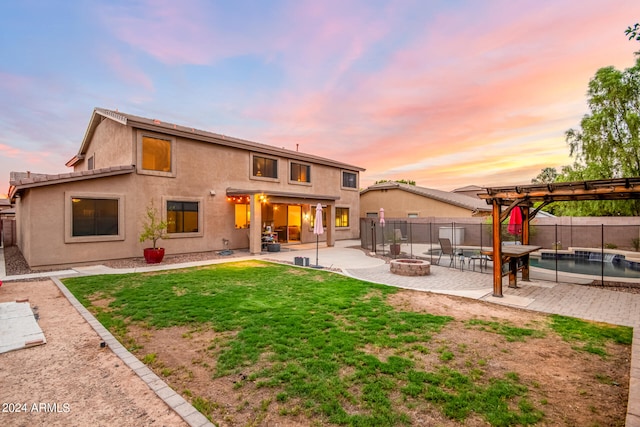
(410, 267)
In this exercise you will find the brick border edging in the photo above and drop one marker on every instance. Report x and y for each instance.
(176, 402)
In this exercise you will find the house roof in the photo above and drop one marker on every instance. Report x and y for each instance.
(156, 125)
(456, 199)
(22, 180)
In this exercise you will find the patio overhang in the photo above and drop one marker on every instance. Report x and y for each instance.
(525, 196)
(238, 192)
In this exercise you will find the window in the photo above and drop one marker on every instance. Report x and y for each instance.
(342, 217)
(313, 217)
(91, 163)
(182, 217)
(264, 167)
(412, 215)
(300, 172)
(242, 214)
(349, 180)
(94, 217)
(155, 154)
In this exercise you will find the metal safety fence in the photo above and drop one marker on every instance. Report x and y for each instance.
(597, 250)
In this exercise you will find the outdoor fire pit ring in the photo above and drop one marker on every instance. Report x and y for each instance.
(410, 267)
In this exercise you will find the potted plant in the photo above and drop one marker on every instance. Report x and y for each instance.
(153, 229)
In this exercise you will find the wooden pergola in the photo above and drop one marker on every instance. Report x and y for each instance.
(526, 195)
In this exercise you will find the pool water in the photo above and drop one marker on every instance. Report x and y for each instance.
(582, 266)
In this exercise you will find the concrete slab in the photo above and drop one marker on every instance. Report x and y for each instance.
(513, 300)
(18, 327)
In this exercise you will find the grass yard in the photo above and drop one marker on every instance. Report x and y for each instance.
(254, 343)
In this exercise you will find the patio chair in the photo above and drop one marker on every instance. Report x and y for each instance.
(447, 249)
(398, 236)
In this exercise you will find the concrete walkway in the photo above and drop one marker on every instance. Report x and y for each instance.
(565, 298)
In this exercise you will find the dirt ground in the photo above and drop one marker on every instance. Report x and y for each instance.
(572, 388)
(70, 379)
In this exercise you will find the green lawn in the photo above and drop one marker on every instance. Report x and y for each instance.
(314, 328)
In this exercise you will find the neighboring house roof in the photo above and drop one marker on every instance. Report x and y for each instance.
(22, 180)
(156, 125)
(460, 200)
(468, 188)
(5, 203)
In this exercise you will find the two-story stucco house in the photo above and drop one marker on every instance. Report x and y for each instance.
(216, 192)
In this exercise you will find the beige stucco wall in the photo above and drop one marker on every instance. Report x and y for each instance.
(112, 145)
(399, 204)
(200, 169)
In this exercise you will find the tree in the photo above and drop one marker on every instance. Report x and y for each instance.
(546, 176)
(401, 181)
(633, 32)
(607, 145)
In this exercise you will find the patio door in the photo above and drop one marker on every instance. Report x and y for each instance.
(294, 222)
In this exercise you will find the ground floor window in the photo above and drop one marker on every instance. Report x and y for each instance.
(182, 217)
(94, 217)
(313, 217)
(242, 215)
(342, 217)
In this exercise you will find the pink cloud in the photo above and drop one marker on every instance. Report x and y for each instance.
(128, 71)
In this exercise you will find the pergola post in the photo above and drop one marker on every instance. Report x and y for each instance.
(525, 240)
(497, 254)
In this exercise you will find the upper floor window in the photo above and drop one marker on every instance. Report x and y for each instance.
(264, 167)
(156, 154)
(349, 180)
(182, 217)
(91, 163)
(300, 172)
(342, 217)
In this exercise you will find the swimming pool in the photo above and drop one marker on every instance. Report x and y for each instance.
(617, 268)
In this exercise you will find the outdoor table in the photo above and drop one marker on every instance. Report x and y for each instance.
(513, 254)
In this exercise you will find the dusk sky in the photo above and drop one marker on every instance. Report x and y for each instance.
(447, 93)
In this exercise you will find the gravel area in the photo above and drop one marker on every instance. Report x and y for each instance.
(15, 263)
